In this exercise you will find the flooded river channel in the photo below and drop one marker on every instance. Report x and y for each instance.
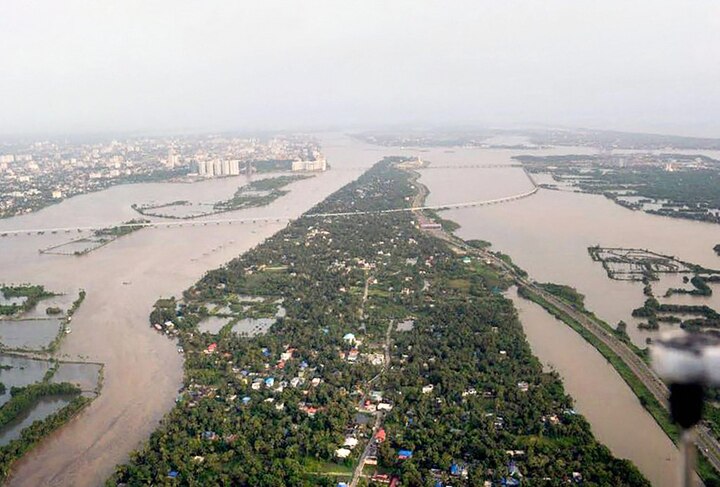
(547, 234)
(143, 370)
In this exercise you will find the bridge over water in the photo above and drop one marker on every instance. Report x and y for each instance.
(278, 219)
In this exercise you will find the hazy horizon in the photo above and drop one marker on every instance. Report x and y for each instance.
(138, 67)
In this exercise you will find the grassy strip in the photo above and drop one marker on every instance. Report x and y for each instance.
(33, 293)
(53, 346)
(649, 402)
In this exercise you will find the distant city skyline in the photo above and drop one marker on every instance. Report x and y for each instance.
(180, 67)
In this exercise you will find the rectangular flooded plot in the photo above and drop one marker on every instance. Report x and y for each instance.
(212, 324)
(253, 326)
(85, 376)
(62, 301)
(44, 408)
(12, 300)
(28, 334)
(76, 247)
(19, 372)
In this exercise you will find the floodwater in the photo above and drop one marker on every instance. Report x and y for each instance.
(44, 408)
(548, 234)
(62, 301)
(123, 279)
(19, 371)
(212, 324)
(253, 326)
(15, 300)
(28, 334)
(83, 375)
(604, 398)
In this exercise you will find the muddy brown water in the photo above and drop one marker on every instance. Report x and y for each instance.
(547, 234)
(143, 370)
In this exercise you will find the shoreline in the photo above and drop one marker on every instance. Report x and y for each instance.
(142, 370)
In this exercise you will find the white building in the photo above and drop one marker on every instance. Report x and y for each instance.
(318, 164)
(217, 167)
(172, 159)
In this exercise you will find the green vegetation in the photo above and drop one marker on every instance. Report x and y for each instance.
(463, 385)
(479, 244)
(566, 293)
(651, 309)
(124, 229)
(31, 435)
(25, 398)
(687, 191)
(248, 196)
(448, 225)
(32, 293)
(701, 288)
(644, 395)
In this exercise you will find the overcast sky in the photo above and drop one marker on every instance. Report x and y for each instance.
(151, 65)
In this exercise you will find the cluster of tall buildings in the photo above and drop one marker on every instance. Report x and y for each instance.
(218, 167)
(318, 163)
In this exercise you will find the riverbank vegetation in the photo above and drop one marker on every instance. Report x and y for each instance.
(461, 388)
(652, 309)
(26, 297)
(38, 430)
(711, 413)
(25, 398)
(124, 229)
(675, 185)
(260, 192)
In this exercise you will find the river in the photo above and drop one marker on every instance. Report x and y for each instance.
(547, 234)
(143, 370)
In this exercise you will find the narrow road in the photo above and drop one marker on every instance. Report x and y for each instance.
(361, 311)
(379, 415)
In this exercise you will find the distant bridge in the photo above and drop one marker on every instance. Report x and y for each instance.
(433, 166)
(473, 166)
(268, 219)
(276, 219)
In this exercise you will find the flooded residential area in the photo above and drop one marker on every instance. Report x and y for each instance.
(142, 370)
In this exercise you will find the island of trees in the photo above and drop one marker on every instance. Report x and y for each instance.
(393, 350)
